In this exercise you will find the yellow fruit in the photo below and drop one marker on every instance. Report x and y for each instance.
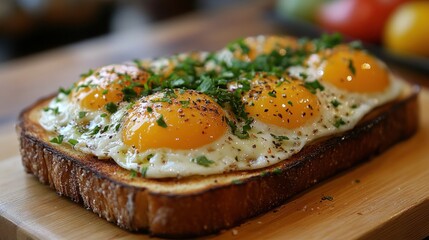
(407, 31)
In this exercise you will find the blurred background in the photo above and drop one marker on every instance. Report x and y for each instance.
(31, 26)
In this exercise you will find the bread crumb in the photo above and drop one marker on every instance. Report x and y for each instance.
(234, 232)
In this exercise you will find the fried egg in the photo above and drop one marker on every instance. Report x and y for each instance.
(212, 117)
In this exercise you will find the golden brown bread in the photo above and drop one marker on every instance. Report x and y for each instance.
(201, 205)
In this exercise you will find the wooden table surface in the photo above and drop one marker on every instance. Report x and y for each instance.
(390, 200)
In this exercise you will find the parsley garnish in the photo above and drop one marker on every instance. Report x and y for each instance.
(303, 75)
(138, 63)
(103, 115)
(277, 171)
(58, 140)
(329, 198)
(87, 74)
(279, 138)
(272, 94)
(105, 91)
(133, 173)
(148, 157)
(327, 41)
(352, 67)
(149, 109)
(73, 141)
(339, 122)
(82, 114)
(65, 91)
(160, 121)
(143, 170)
(185, 104)
(335, 103)
(163, 99)
(237, 181)
(95, 130)
(105, 129)
(243, 133)
(240, 44)
(129, 93)
(290, 103)
(313, 86)
(203, 161)
(111, 107)
(55, 110)
(207, 84)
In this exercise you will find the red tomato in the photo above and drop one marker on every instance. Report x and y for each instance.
(362, 19)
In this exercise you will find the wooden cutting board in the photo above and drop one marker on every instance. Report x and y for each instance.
(386, 198)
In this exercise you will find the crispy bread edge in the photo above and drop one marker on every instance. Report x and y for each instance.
(215, 208)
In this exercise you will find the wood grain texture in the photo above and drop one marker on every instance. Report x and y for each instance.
(387, 198)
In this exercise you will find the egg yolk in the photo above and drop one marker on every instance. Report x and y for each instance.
(265, 45)
(355, 71)
(108, 85)
(178, 120)
(281, 102)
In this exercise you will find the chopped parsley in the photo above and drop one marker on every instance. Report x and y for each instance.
(103, 115)
(352, 67)
(203, 161)
(313, 86)
(133, 173)
(185, 104)
(58, 139)
(243, 132)
(163, 99)
(329, 198)
(87, 74)
(272, 94)
(95, 130)
(55, 110)
(105, 91)
(82, 114)
(335, 103)
(290, 103)
(73, 142)
(239, 44)
(129, 93)
(148, 157)
(65, 91)
(303, 75)
(143, 170)
(160, 121)
(111, 107)
(279, 138)
(339, 122)
(149, 109)
(237, 181)
(327, 41)
(277, 171)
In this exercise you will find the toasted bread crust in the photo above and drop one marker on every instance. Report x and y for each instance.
(137, 204)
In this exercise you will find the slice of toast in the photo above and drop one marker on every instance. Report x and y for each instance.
(194, 206)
